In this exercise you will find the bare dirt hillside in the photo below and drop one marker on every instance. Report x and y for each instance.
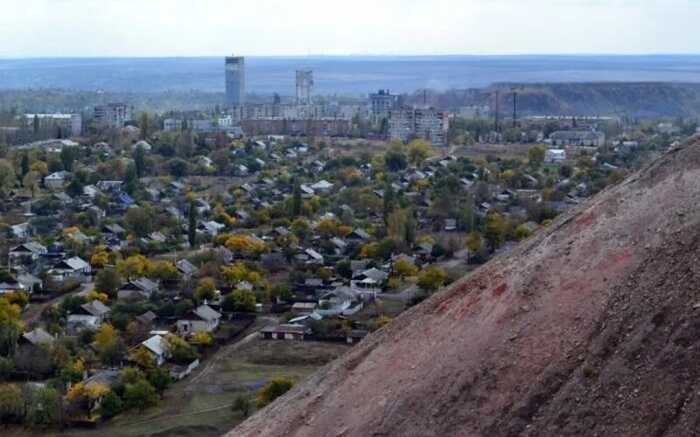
(590, 328)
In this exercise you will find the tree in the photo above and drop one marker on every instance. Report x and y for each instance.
(418, 151)
(241, 301)
(178, 167)
(397, 225)
(68, 157)
(144, 125)
(139, 221)
(206, 290)
(131, 179)
(536, 155)
(245, 245)
(134, 266)
(522, 232)
(432, 278)
(108, 281)
(44, 407)
(10, 326)
(31, 181)
(140, 395)
(192, 227)
(180, 351)
(495, 230)
(296, 200)
(24, 164)
(160, 379)
(274, 389)
(11, 403)
(404, 267)
(111, 405)
(7, 177)
(108, 344)
(242, 405)
(475, 243)
(389, 201)
(395, 160)
(202, 338)
(163, 270)
(142, 358)
(140, 161)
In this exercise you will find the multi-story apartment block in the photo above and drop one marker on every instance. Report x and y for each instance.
(430, 124)
(113, 114)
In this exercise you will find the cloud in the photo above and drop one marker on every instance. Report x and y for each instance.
(301, 27)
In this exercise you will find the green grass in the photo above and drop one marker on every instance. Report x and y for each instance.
(238, 373)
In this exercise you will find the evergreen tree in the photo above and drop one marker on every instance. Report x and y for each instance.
(140, 161)
(296, 200)
(192, 229)
(25, 165)
(131, 180)
(143, 125)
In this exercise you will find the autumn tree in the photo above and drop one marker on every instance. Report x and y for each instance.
(418, 151)
(163, 270)
(404, 267)
(206, 290)
(474, 243)
(432, 278)
(134, 266)
(536, 155)
(495, 230)
(272, 390)
(11, 403)
(10, 326)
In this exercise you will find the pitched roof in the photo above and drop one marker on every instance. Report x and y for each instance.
(156, 344)
(205, 312)
(185, 267)
(95, 308)
(38, 337)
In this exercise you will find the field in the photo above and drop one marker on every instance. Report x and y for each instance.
(201, 405)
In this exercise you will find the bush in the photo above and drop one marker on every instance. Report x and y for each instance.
(140, 395)
(274, 389)
(242, 405)
(111, 405)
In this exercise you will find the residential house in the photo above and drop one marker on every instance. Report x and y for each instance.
(201, 319)
(56, 180)
(88, 316)
(157, 347)
(285, 332)
(74, 268)
(137, 289)
(186, 268)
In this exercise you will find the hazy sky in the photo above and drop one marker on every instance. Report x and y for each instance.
(301, 27)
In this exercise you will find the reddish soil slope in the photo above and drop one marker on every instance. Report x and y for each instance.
(592, 327)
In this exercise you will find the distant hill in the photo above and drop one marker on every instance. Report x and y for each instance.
(632, 99)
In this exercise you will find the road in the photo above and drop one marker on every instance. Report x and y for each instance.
(33, 313)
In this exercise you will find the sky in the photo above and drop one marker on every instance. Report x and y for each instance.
(90, 28)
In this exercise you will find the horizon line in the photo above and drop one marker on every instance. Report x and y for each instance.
(360, 55)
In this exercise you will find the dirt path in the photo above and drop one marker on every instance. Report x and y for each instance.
(32, 315)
